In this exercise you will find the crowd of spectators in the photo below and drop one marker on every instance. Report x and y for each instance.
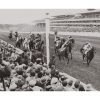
(35, 76)
(78, 29)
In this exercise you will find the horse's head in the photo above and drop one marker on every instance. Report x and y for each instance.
(71, 42)
(93, 50)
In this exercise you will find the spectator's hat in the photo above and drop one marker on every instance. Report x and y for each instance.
(30, 64)
(45, 65)
(43, 79)
(1, 87)
(20, 77)
(70, 82)
(77, 84)
(13, 87)
(12, 66)
(59, 87)
(37, 88)
(38, 66)
(48, 87)
(24, 86)
(63, 78)
(38, 59)
(81, 88)
(48, 71)
(14, 80)
(54, 80)
(32, 72)
(89, 87)
(28, 79)
(32, 83)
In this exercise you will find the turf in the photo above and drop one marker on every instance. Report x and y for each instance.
(76, 68)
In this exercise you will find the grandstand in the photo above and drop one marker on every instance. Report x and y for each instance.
(81, 22)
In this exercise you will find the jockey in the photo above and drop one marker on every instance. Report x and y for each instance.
(69, 37)
(66, 43)
(10, 35)
(87, 47)
(57, 39)
(16, 34)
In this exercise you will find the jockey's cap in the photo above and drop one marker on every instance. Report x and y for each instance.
(53, 56)
(69, 36)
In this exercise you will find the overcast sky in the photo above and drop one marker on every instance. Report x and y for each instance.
(18, 16)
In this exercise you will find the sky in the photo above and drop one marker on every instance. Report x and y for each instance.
(21, 16)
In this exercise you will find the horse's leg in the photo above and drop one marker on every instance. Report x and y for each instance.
(83, 57)
(63, 55)
(55, 50)
(67, 60)
(67, 57)
(59, 56)
(71, 54)
(88, 61)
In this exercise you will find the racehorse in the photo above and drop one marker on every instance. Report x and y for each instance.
(71, 45)
(64, 52)
(89, 55)
(57, 45)
(39, 46)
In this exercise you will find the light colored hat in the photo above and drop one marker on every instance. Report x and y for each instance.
(13, 86)
(23, 65)
(32, 83)
(24, 86)
(1, 87)
(39, 59)
(37, 88)
(14, 80)
(54, 80)
(89, 87)
(12, 66)
(44, 69)
(28, 79)
(45, 65)
(59, 87)
(39, 66)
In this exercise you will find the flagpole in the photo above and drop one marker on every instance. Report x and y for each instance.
(47, 37)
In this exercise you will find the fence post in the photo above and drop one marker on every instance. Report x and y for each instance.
(47, 21)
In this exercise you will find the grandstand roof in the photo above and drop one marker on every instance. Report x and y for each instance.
(70, 16)
(79, 19)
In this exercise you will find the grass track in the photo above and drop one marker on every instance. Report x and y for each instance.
(76, 68)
